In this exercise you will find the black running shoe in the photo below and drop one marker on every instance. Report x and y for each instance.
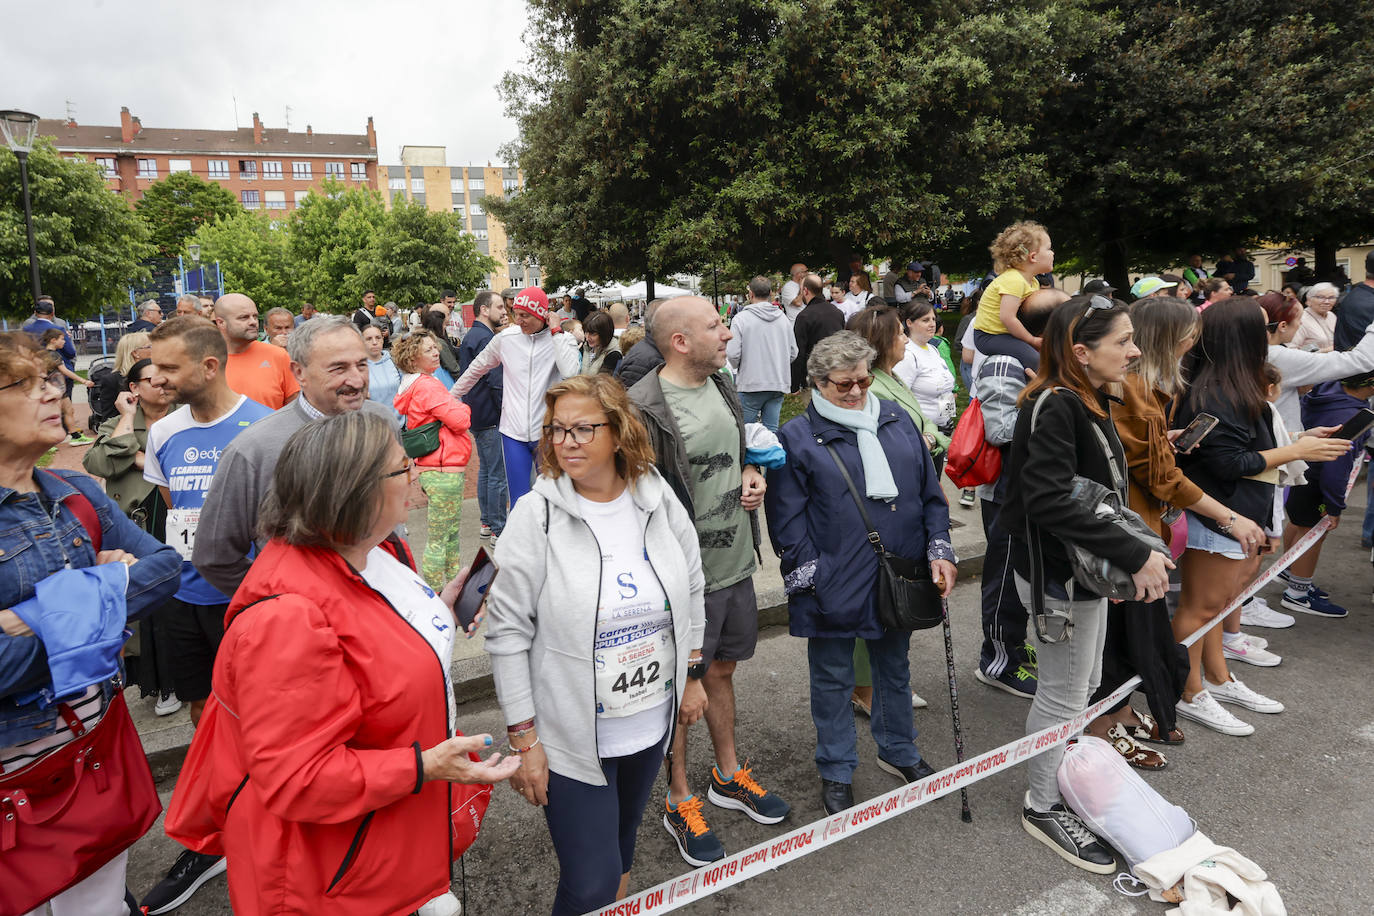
(1062, 830)
(191, 870)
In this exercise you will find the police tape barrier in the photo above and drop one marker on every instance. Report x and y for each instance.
(802, 841)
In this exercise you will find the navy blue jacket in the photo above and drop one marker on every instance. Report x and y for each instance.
(829, 569)
(33, 546)
(1328, 405)
(485, 397)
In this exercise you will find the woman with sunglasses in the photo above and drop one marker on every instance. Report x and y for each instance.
(592, 718)
(830, 570)
(1064, 429)
(1237, 464)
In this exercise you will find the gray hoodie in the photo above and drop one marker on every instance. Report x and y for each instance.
(542, 610)
(762, 349)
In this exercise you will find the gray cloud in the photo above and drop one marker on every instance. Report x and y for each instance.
(425, 70)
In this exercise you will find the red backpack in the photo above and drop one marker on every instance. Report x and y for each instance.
(972, 460)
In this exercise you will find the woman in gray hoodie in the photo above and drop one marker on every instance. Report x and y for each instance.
(595, 663)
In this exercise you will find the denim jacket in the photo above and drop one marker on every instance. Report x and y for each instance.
(32, 547)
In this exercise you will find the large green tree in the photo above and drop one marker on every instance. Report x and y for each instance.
(656, 134)
(90, 243)
(329, 232)
(417, 253)
(252, 251)
(175, 207)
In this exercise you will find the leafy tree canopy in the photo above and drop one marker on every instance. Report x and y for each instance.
(175, 207)
(254, 255)
(90, 243)
(416, 254)
(329, 232)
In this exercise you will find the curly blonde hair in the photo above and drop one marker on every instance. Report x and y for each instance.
(1014, 244)
(405, 353)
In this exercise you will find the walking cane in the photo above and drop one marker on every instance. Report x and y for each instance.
(966, 814)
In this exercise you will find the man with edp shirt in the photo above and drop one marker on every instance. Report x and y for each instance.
(183, 451)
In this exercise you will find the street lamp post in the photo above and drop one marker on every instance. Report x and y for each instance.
(20, 128)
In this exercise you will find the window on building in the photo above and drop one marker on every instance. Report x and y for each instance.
(147, 168)
(107, 165)
(300, 171)
(417, 185)
(510, 185)
(477, 184)
(271, 170)
(455, 186)
(334, 170)
(300, 196)
(396, 184)
(178, 165)
(252, 200)
(360, 171)
(248, 169)
(477, 210)
(275, 200)
(479, 234)
(461, 210)
(218, 168)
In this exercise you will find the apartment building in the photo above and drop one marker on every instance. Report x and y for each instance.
(424, 176)
(265, 168)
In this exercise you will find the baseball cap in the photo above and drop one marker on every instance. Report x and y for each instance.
(1097, 286)
(915, 266)
(1147, 285)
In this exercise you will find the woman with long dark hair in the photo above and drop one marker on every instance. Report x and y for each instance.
(1064, 429)
(1139, 638)
(1237, 464)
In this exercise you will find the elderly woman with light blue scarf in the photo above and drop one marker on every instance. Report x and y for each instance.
(830, 571)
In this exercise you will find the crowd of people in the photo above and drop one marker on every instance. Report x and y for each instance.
(251, 532)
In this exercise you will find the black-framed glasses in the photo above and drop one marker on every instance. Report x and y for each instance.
(581, 433)
(846, 387)
(35, 383)
(410, 466)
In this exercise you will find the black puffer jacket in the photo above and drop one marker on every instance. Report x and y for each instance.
(1039, 473)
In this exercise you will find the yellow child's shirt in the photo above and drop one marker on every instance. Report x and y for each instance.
(1008, 283)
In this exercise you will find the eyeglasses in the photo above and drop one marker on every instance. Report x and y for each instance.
(1095, 303)
(35, 383)
(410, 466)
(846, 387)
(581, 434)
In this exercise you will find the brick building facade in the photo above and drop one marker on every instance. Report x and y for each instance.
(264, 168)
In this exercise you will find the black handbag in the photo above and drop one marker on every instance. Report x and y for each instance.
(908, 598)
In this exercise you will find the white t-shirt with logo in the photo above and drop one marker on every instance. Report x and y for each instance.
(634, 653)
(421, 607)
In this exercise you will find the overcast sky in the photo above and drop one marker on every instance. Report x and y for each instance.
(425, 70)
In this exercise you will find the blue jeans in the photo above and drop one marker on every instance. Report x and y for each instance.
(594, 828)
(519, 457)
(491, 479)
(761, 407)
(831, 661)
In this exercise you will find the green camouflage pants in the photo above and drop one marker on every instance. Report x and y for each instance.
(441, 561)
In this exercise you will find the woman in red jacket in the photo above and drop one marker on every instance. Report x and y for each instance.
(422, 399)
(323, 764)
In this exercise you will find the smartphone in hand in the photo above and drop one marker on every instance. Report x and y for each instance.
(1196, 431)
(474, 590)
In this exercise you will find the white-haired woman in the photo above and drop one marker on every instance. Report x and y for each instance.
(1318, 325)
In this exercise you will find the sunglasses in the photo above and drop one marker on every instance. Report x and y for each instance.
(846, 387)
(1097, 303)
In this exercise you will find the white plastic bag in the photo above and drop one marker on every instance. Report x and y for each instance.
(1117, 805)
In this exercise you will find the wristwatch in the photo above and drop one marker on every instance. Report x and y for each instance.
(697, 670)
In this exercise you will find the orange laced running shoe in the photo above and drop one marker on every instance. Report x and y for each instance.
(687, 826)
(743, 793)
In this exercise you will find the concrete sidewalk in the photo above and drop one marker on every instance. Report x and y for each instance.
(166, 738)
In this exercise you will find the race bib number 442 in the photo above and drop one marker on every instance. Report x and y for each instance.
(634, 676)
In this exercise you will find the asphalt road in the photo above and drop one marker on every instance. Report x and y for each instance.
(1294, 797)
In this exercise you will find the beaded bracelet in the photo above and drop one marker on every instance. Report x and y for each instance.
(525, 750)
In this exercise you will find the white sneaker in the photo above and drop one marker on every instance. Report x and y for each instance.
(1247, 650)
(1233, 691)
(443, 905)
(1205, 709)
(167, 704)
(1258, 613)
(917, 702)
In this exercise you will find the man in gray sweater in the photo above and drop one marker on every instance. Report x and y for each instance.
(329, 362)
(761, 351)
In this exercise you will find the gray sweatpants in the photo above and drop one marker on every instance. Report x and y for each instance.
(1068, 673)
